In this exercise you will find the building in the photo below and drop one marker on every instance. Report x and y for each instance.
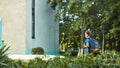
(28, 24)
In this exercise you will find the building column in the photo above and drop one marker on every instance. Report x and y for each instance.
(0, 33)
(46, 30)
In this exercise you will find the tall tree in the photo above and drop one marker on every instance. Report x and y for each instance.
(101, 16)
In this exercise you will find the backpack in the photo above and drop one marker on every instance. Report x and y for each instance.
(93, 45)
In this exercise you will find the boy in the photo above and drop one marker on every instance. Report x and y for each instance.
(87, 42)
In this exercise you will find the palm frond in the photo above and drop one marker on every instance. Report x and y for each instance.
(3, 54)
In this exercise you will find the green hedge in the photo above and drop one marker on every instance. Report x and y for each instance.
(104, 60)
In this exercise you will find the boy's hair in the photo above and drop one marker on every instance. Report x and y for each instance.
(88, 32)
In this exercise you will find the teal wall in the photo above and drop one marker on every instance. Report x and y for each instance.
(46, 29)
(0, 33)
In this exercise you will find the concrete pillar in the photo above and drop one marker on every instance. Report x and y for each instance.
(0, 33)
(46, 29)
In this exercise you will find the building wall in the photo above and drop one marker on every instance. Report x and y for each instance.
(17, 26)
(46, 29)
(13, 17)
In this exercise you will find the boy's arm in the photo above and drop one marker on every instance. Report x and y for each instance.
(86, 45)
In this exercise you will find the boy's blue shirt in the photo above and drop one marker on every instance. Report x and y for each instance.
(87, 40)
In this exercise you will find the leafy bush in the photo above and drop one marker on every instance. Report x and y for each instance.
(108, 59)
(16, 64)
(71, 51)
(37, 50)
(36, 63)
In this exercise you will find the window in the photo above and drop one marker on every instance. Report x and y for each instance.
(33, 19)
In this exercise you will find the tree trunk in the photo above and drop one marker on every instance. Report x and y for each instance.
(80, 52)
(103, 43)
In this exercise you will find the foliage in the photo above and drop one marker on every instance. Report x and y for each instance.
(37, 63)
(76, 16)
(3, 55)
(16, 64)
(37, 50)
(108, 59)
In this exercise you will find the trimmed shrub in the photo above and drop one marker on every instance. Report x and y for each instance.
(37, 51)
